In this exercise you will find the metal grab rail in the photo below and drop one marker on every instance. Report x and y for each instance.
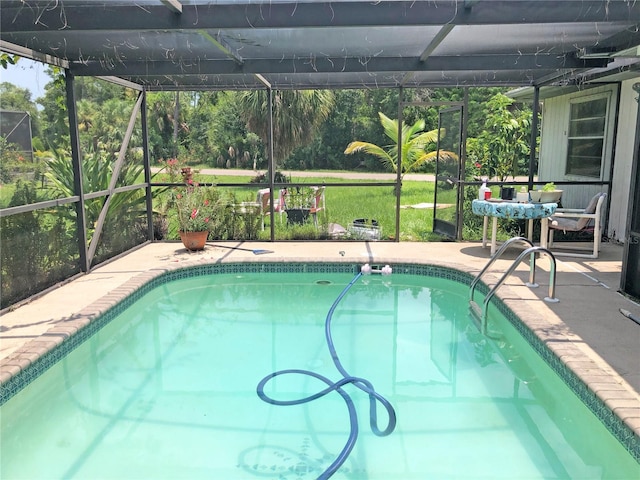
(531, 251)
(497, 255)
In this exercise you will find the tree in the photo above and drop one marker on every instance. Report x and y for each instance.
(503, 146)
(18, 99)
(7, 59)
(53, 116)
(161, 108)
(229, 140)
(415, 146)
(102, 126)
(296, 117)
(326, 150)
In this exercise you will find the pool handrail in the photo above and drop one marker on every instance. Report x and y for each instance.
(531, 251)
(497, 255)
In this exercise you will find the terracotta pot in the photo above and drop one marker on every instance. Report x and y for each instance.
(194, 240)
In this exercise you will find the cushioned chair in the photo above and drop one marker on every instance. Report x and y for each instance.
(264, 200)
(318, 203)
(579, 220)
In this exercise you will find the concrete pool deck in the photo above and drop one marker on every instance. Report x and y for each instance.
(585, 328)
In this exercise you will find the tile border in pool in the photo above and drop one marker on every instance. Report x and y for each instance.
(616, 407)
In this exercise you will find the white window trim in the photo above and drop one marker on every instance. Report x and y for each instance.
(605, 137)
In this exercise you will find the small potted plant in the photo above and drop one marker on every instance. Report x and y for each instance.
(504, 169)
(298, 204)
(547, 194)
(194, 212)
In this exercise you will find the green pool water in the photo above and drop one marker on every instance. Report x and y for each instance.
(167, 390)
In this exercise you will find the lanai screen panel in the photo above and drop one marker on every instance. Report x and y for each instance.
(196, 44)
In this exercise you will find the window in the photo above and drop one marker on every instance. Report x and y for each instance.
(587, 124)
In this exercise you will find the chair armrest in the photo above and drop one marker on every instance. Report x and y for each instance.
(568, 210)
(574, 215)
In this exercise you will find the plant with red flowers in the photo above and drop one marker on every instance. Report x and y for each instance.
(195, 207)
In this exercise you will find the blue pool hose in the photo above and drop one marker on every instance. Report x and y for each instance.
(361, 383)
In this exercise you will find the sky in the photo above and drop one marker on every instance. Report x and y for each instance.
(27, 74)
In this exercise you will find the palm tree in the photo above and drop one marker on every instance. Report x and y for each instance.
(296, 115)
(415, 142)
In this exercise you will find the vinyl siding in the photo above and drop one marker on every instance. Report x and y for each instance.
(553, 151)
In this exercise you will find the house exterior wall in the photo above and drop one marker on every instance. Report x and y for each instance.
(618, 151)
(623, 160)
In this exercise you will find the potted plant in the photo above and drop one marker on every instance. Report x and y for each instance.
(504, 143)
(194, 211)
(547, 194)
(503, 169)
(298, 204)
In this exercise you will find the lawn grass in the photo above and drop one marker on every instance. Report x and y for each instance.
(345, 204)
(6, 193)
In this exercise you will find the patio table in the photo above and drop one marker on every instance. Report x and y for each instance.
(511, 209)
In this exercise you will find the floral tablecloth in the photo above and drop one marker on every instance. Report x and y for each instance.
(513, 210)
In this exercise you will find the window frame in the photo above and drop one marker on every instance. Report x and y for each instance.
(603, 136)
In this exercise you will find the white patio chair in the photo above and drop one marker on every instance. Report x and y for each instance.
(318, 203)
(264, 199)
(587, 220)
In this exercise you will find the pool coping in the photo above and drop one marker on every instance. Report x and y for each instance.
(615, 403)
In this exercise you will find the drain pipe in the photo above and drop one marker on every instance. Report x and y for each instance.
(630, 315)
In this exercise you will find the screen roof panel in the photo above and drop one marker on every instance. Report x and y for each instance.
(171, 44)
(557, 38)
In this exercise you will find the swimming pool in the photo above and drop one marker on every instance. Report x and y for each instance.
(167, 387)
